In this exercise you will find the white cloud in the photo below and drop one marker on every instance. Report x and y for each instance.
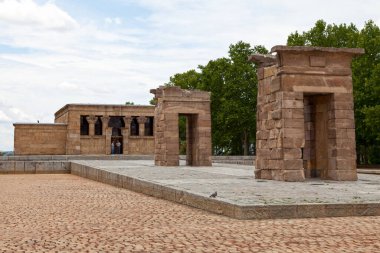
(28, 13)
(4, 117)
(115, 21)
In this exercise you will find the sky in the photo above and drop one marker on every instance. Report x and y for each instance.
(58, 52)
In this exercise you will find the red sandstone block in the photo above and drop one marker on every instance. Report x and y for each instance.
(294, 123)
(339, 81)
(292, 104)
(292, 113)
(342, 175)
(293, 175)
(293, 133)
(345, 164)
(293, 142)
(262, 144)
(263, 153)
(275, 84)
(341, 114)
(273, 133)
(276, 153)
(341, 134)
(263, 115)
(341, 106)
(275, 164)
(293, 164)
(262, 135)
(269, 124)
(266, 174)
(272, 143)
(342, 152)
(289, 95)
(276, 114)
(279, 124)
(343, 97)
(292, 153)
(341, 123)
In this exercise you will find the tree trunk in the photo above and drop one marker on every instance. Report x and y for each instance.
(245, 143)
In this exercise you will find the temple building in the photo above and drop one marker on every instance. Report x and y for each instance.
(81, 129)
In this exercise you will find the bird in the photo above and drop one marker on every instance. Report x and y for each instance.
(213, 195)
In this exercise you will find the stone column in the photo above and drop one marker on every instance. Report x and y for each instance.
(107, 132)
(91, 123)
(126, 133)
(141, 120)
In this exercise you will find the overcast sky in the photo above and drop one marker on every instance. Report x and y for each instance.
(110, 51)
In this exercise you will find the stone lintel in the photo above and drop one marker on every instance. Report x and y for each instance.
(320, 90)
(301, 49)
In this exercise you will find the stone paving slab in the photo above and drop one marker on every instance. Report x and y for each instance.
(240, 195)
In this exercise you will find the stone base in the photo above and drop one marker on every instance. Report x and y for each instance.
(280, 175)
(342, 175)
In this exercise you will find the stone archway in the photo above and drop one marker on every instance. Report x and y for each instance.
(305, 116)
(195, 105)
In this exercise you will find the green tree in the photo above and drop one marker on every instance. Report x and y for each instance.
(129, 103)
(233, 85)
(365, 75)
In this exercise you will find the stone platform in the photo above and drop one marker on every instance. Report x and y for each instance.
(240, 195)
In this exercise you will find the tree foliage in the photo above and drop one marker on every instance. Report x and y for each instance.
(366, 77)
(233, 85)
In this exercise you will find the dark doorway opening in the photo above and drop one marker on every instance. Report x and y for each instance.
(187, 138)
(315, 151)
(116, 123)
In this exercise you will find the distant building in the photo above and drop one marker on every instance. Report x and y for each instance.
(81, 129)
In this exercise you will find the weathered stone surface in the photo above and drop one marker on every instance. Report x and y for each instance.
(195, 106)
(305, 114)
(64, 136)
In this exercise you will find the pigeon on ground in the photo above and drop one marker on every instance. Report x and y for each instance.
(213, 195)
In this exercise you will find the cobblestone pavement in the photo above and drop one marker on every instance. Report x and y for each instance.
(66, 213)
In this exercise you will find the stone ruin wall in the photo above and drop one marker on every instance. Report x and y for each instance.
(195, 105)
(305, 118)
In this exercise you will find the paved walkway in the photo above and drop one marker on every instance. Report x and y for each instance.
(236, 184)
(66, 213)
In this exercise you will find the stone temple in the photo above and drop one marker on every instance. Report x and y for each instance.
(305, 117)
(84, 129)
(305, 121)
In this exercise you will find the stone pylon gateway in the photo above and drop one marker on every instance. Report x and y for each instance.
(305, 117)
(195, 105)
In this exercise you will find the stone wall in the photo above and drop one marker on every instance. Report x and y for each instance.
(305, 117)
(195, 106)
(94, 144)
(40, 139)
(141, 145)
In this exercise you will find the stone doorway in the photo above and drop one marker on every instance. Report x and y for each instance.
(118, 150)
(305, 116)
(194, 105)
(315, 151)
(188, 134)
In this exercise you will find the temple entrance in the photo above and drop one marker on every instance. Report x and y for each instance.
(116, 123)
(117, 145)
(174, 103)
(187, 137)
(315, 153)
